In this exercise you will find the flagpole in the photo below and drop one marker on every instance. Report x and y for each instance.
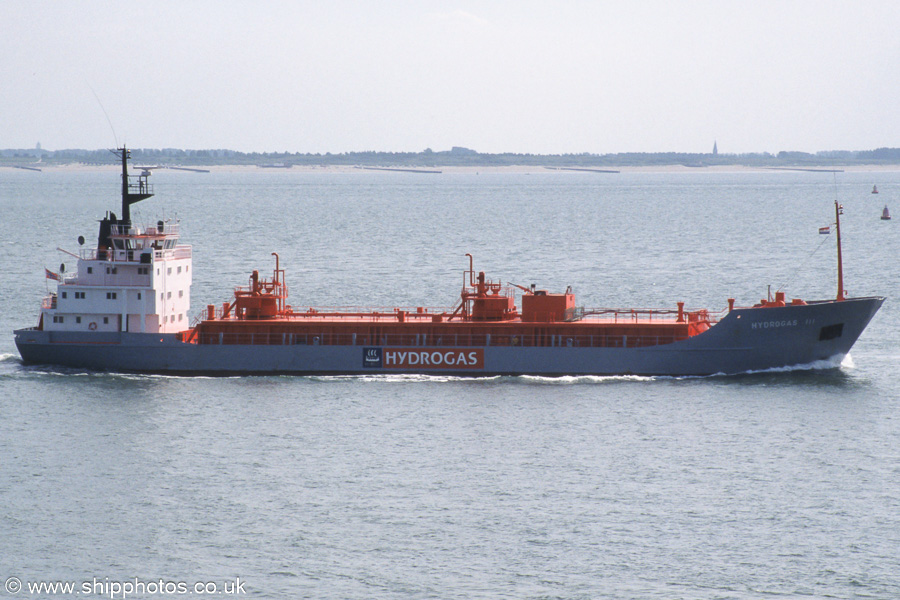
(840, 265)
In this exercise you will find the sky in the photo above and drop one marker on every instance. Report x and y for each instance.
(602, 76)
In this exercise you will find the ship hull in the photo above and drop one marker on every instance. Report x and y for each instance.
(744, 340)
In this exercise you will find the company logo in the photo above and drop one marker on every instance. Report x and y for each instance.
(371, 358)
(403, 358)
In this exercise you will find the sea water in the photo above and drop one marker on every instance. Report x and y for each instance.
(775, 484)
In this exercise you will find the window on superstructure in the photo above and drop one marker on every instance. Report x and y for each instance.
(161, 296)
(106, 320)
(90, 270)
(179, 317)
(63, 294)
(181, 293)
(168, 295)
(139, 295)
(78, 319)
(110, 295)
(179, 270)
(169, 271)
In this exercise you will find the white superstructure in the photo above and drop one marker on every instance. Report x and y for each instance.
(142, 283)
(138, 279)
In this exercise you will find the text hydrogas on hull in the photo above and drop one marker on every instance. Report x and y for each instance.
(126, 309)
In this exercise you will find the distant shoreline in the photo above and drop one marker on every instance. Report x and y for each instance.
(459, 159)
(610, 171)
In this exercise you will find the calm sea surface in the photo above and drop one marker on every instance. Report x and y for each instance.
(762, 485)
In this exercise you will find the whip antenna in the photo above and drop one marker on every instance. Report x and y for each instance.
(108, 120)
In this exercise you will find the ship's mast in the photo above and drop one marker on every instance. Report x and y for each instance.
(838, 209)
(132, 192)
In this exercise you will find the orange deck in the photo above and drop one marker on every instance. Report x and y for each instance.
(329, 329)
(485, 316)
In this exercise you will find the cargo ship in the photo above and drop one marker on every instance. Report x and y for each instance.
(127, 309)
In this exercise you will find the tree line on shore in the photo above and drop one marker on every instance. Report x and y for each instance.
(456, 157)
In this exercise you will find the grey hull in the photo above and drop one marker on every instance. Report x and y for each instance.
(744, 340)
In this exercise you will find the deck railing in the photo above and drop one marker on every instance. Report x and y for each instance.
(169, 229)
(134, 255)
(382, 314)
(449, 340)
(347, 313)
